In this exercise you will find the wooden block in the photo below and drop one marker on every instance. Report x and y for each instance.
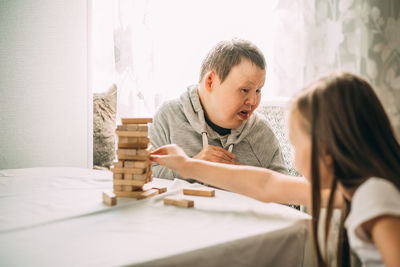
(122, 128)
(128, 176)
(186, 203)
(135, 183)
(117, 188)
(142, 164)
(129, 164)
(132, 145)
(128, 188)
(160, 189)
(143, 152)
(148, 193)
(128, 194)
(140, 177)
(199, 192)
(126, 157)
(132, 133)
(129, 170)
(118, 176)
(118, 164)
(133, 142)
(142, 128)
(125, 139)
(128, 152)
(109, 198)
(136, 120)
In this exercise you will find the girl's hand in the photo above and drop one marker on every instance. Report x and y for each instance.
(170, 156)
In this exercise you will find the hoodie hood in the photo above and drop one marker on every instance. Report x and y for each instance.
(194, 113)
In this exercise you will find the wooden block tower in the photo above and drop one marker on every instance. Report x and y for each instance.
(133, 167)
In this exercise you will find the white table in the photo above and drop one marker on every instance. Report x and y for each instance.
(55, 217)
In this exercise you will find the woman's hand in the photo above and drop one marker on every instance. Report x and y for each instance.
(170, 156)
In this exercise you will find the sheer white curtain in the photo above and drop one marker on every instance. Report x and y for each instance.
(152, 49)
(159, 45)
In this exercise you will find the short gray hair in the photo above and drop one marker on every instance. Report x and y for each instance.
(227, 54)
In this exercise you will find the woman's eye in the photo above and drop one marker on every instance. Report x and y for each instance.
(245, 90)
(258, 91)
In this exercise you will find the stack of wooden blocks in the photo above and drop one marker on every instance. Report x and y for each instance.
(133, 167)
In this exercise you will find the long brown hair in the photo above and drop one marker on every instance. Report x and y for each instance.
(342, 112)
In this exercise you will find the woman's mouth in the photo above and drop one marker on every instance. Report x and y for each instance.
(244, 114)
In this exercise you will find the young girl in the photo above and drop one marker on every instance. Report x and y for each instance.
(346, 150)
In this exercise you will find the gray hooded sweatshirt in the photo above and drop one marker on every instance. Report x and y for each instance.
(181, 121)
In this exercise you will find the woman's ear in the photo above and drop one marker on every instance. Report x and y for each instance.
(209, 79)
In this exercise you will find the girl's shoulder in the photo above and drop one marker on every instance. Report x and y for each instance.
(375, 190)
(374, 198)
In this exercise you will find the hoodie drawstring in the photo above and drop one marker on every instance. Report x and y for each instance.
(205, 141)
(230, 148)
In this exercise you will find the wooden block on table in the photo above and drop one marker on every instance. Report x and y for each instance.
(148, 193)
(136, 120)
(160, 189)
(199, 192)
(109, 198)
(186, 203)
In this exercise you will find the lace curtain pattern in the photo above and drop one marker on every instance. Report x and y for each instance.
(306, 39)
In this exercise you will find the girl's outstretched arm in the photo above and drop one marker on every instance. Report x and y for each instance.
(259, 183)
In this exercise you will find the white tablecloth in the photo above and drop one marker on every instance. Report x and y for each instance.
(55, 217)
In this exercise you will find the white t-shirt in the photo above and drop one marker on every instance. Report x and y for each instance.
(373, 198)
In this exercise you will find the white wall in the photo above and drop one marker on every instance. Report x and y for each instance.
(45, 101)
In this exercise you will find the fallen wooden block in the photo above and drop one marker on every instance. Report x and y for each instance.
(199, 192)
(160, 189)
(109, 198)
(186, 203)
